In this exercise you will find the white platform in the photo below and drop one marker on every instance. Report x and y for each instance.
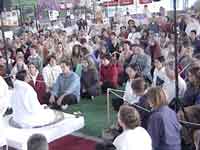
(17, 138)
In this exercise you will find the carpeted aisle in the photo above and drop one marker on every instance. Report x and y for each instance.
(72, 143)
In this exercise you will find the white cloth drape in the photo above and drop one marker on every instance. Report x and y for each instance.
(27, 111)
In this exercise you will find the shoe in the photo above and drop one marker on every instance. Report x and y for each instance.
(64, 107)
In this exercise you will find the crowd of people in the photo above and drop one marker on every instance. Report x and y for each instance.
(64, 68)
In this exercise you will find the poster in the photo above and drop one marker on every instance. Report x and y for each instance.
(118, 2)
(145, 1)
(53, 15)
(10, 18)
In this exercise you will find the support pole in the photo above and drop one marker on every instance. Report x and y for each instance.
(176, 56)
(108, 106)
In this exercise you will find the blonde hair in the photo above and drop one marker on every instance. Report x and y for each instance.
(129, 116)
(157, 97)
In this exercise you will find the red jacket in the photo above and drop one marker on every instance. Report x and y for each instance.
(39, 87)
(109, 73)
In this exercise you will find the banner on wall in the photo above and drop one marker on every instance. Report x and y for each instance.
(145, 1)
(10, 18)
(118, 2)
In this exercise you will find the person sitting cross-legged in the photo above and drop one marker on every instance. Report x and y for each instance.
(66, 90)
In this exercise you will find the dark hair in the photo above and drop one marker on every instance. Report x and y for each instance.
(67, 62)
(51, 57)
(106, 56)
(194, 31)
(129, 116)
(138, 85)
(74, 50)
(161, 59)
(37, 142)
(21, 75)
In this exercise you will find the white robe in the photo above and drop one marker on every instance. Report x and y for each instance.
(27, 111)
(3, 107)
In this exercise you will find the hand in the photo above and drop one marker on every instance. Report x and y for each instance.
(59, 101)
(52, 99)
(100, 83)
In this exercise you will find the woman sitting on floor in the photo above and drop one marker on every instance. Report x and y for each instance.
(163, 125)
(129, 95)
(133, 136)
(108, 73)
(89, 79)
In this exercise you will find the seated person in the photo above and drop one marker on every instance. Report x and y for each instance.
(169, 85)
(163, 125)
(37, 142)
(133, 136)
(129, 95)
(89, 79)
(66, 90)
(192, 94)
(37, 82)
(159, 72)
(108, 73)
(27, 111)
(51, 72)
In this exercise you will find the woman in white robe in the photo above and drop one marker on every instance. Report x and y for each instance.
(27, 111)
(3, 108)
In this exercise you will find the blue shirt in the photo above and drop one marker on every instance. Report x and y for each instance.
(67, 84)
(164, 129)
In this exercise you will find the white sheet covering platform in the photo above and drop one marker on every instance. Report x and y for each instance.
(17, 138)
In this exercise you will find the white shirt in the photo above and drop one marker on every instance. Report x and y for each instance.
(159, 73)
(27, 111)
(129, 95)
(132, 37)
(169, 87)
(50, 74)
(136, 139)
(3, 107)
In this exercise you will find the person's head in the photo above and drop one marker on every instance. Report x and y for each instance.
(194, 75)
(131, 23)
(87, 64)
(193, 34)
(158, 62)
(19, 60)
(33, 50)
(131, 71)
(65, 66)
(76, 50)
(52, 60)
(128, 117)
(60, 47)
(23, 76)
(37, 142)
(170, 70)
(32, 69)
(123, 29)
(126, 46)
(138, 86)
(156, 97)
(106, 59)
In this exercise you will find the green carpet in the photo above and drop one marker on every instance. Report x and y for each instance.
(95, 115)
